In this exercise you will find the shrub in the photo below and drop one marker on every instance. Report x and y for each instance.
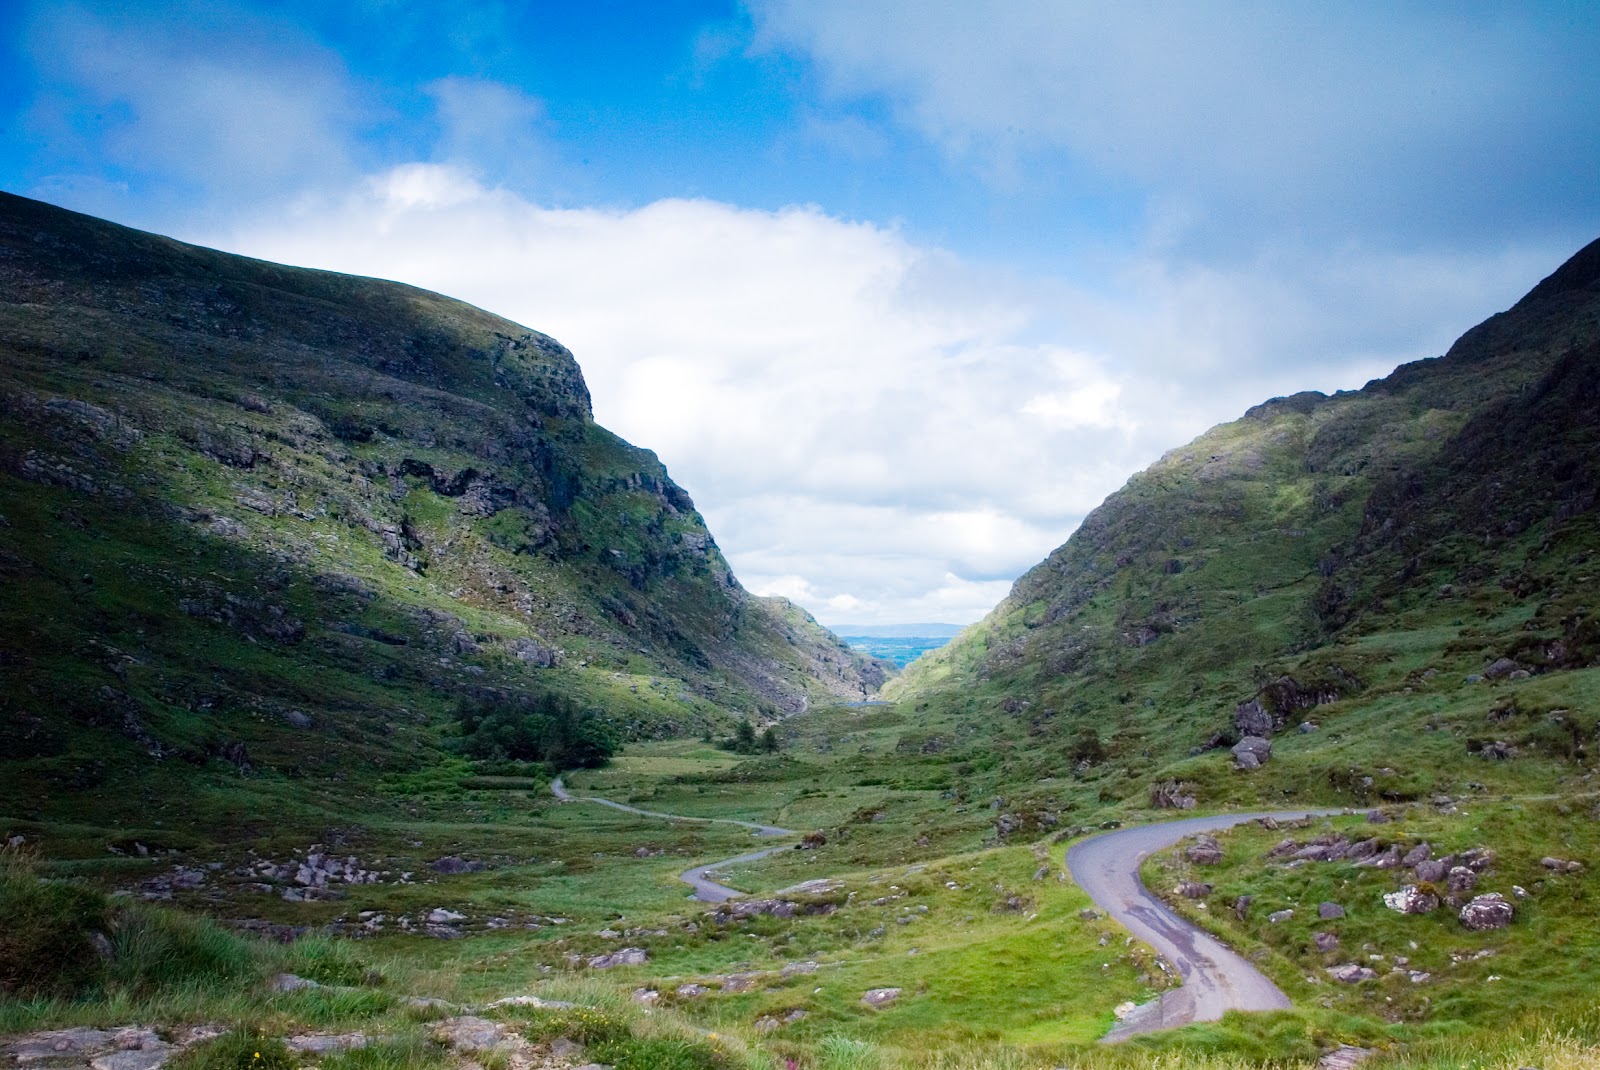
(52, 933)
(545, 728)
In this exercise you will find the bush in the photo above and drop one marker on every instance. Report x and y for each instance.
(535, 728)
(52, 933)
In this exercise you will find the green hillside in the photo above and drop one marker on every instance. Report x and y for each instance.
(1411, 568)
(263, 526)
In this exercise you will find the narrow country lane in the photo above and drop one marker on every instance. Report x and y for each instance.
(705, 889)
(1215, 978)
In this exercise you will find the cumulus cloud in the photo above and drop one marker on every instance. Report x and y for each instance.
(873, 427)
(1409, 118)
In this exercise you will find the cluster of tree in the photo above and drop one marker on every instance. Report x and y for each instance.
(745, 741)
(546, 728)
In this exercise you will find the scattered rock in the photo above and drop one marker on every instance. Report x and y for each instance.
(288, 982)
(1351, 973)
(1344, 1057)
(1205, 851)
(1433, 870)
(628, 956)
(1241, 906)
(1489, 911)
(441, 916)
(1278, 916)
(1461, 880)
(793, 968)
(325, 1044)
(1501, 667)
(1193, 890)
(1329, 911)
(691, 990)
(880, 997)
(535, 1002)
(452, 864)
(1420, 853)
(1411, 900)
(1325, 942)
(647, 996)
(1560, 865)
(1377, 817)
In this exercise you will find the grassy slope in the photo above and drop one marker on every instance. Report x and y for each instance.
(1378, 547)
(263, 526)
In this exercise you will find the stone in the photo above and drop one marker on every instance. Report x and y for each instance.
(1377, 817)
(441, 916)
(1501, 667)
(1490, 911)
(324, 1044)
(1345, 1057)
(628, 956)
(1420, 853)
(1194, 890)
(1252, 752)
(880, 997)
(1411, 900)
(691, 991)
(647, 996)
(1122, 1010)
(288, 982)
(469, 1034)
(139, 1059)
(1241, 906)
(1432, 871)
(1205, 851)
(56, 1043)
(1351, 973)
(1325, 942)
(1461, 880)
(1560, 865)
(1329, 911)
(452, 864)
(534, 1002)
(1308, 727)
(1279, 916)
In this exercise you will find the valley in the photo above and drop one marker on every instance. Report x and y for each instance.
(330, 612)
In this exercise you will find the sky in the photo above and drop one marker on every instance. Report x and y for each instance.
(898, 291)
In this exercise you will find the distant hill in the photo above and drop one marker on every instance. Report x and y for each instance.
(266, 520)
(1412, 568)
(898, 631)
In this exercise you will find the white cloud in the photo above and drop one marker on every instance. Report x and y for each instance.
(874, 428)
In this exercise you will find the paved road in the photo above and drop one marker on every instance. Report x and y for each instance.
(1215, 979)
(705, 889)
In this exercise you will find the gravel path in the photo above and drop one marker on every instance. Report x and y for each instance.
(705, 889)
(1215, 979)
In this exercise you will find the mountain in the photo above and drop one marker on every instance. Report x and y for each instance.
(1411, 563)
(263, 519)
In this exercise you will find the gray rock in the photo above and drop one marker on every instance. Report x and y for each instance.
(1205, 851)
(1501, 667)
(1411, 900)
(1252, 752)
(288, 982)
(1420, 853)
(1278, 916)
(442, 916)
(1433, 870)
(1329, 911)
(58, 1042)
(880, 997)
(138, 1059)
(1325, 942)
(1377, 817)
(691, 991)
(325, 1044)
(1307, 727)
(647, 996)
(1560, 865)
(1351, 973)
(1461, 880)
(1490, 911)
(1194, 890)
(628, 956)
(793, 968)
(469, 1034)
(452, 864)
(1241, 906)
(1345, 1057)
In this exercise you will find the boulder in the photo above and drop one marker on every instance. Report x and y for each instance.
(1253, 719)
(1411, 900)
(628, 956)
(1433, 870)
(880, 997)
(469, 1034)
(1420, 853)
(1350, 973)
(691, 990)
(1252, 752)
(1490, 911)
(1560, 865)
(1325, 942)
(1205, 851)
(452, 864)
(1194, 890)
(1501, 667)
(1461, 880)
(1241, 906)
(1329, 911)
(1280, 916)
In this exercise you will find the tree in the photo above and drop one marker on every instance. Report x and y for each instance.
(744, 738)
(769, 740)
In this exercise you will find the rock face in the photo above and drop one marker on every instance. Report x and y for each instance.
(1490, 911)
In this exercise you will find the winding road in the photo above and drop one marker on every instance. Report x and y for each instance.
(1215, 978)
(699, 878)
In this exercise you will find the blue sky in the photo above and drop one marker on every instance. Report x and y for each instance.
(897, 290)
